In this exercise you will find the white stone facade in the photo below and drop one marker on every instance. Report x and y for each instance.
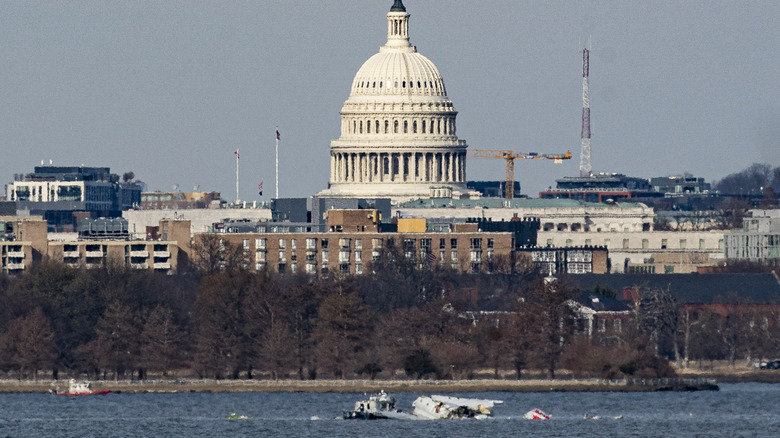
(398, 137)
(665, 251)
(759, 238)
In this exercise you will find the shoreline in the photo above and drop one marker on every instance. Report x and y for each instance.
(367, 386)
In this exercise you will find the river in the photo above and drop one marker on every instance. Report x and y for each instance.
(745, 409)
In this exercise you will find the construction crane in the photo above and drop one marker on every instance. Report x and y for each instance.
(510, 157)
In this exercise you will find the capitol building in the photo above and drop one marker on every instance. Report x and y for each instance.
(398, 138)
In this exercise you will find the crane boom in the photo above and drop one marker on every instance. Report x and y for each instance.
(510, 157)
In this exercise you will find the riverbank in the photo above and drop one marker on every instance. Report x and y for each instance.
(692, 378)
(361, 386)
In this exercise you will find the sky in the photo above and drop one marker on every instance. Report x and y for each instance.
(169, 90)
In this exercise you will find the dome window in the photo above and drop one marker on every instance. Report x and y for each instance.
(380, 84)
(411, 84)
(403, 84)
(395, 126)
(387, 126)
(377, 127)
(374, 85)
(418, 84)
(396, 84)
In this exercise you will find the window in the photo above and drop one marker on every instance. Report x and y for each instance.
(490, 242)
(311, 244)
(282, 243)
(358, 243)
(645, 244)
(442, 243)
(293, 244)
(246, 244)
(663, 243)
(324, 243)
(701, 243)
(324, 258)
(625, 243)
(453, 243)
(476, 243)
(683, 243)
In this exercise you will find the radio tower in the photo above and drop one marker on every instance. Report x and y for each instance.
(585, 169)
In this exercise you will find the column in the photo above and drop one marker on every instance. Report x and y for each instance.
(449, 167)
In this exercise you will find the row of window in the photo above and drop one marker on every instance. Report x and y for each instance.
(626, 244)
(432, 126)
(421, 85)
(377, 243)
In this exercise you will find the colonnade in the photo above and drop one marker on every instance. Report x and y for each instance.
(378, 167)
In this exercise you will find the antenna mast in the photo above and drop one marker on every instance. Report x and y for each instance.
(585, 168)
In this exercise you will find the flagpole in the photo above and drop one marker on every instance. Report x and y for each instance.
(237, 157)
(277, 163)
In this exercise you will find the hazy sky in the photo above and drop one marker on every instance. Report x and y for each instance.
(169, 89)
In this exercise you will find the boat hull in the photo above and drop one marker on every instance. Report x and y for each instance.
(79, 394)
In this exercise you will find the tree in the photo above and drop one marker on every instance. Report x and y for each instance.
(118, 333)
(221, 345)
(161, 341)
(750, 181)
(343, 332)
(657, 315)
(212, 254)
(29, 343)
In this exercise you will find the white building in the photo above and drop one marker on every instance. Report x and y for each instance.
(759, 238)
(398, 135)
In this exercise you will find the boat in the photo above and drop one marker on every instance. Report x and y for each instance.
(437, 407)
(76, 388)
(377, 407)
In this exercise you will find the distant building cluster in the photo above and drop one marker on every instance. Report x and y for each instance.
(397, 182)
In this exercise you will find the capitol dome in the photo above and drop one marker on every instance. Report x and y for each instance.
(398, 135)
(395, 73)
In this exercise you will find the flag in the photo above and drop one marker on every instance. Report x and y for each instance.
(431, 258)
(236, 152)
(260, 187)
(278, 136)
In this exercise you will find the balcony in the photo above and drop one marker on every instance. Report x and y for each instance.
(164, 254)
(164, 265)
(15, 266)
(138, 265)
(142, 254)
(16, 254)
(71, 254)
(94, 254)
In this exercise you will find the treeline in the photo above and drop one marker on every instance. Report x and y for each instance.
(114, 322)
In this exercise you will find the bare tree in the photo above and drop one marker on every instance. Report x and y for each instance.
(212, 253)
(657, 315)
(162, 341)
(29, 343)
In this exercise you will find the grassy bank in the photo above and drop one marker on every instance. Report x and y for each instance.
(533, 382)
(343, 386)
